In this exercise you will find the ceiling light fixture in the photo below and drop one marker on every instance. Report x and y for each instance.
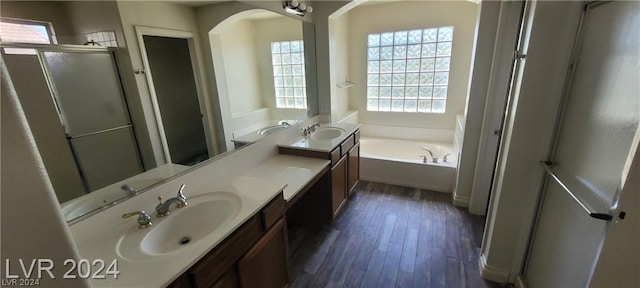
(296, 8)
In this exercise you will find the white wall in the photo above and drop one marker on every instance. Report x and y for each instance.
(167, 16)
(322, 11)
(95, 16)
(339, 61)
(404, 16)
(239, 51)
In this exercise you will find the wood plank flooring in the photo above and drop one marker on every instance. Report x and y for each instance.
(391, 236)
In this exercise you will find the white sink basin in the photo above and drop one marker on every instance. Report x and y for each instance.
(271, 130)
(327, 133)
(205, 214)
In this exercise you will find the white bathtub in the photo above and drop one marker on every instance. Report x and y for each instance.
(398, 162)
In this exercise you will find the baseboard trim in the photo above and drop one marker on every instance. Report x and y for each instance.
(519, 283)
(459, 201)
(492, 273)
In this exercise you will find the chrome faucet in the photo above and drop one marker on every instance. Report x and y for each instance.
(444, 159)
(306, 131)
(162, 209)
(128, 189)
(434, 158)
(144, 220)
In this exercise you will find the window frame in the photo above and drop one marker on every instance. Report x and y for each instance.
(428, 71)
(47, 25)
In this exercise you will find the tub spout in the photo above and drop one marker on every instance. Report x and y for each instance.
(434, 158)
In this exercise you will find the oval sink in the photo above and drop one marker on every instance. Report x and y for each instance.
(271, 130)
(327, 133)
(205, 214)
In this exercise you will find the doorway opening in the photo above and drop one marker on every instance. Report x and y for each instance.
(170, 68)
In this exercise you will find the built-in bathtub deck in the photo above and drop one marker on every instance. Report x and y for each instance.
(399, 162)
(391, 236)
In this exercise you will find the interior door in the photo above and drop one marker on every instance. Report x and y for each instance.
(593, 147)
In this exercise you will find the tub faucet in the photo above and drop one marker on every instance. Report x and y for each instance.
(434, 158)
(162, 209)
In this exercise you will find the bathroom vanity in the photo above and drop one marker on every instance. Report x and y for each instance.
(235, 223)
(344, 153)
(254, 255)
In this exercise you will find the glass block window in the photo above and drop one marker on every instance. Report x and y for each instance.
(288, 74)
(103, 38)
(25, 31)
(408, 71)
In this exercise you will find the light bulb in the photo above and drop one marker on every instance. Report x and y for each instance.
(309, 9)
(302, 7)
(294, 3)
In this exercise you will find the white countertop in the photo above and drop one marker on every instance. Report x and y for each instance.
(255, 188)
(252, 134)
(306, 143)
(294, 170)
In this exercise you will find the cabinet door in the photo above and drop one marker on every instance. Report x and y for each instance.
(229, 280)
(338, 185)
(265, 265)
(353, 168)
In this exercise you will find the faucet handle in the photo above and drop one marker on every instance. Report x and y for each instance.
(144, 220)
(181, 196)
(444, 159)
(160, 200)
(424, 158)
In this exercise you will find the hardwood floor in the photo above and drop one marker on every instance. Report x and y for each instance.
(391, 236)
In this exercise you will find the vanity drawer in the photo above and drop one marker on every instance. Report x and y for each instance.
(335, 156)
(347, 145)
(272, 212)
(218, 262)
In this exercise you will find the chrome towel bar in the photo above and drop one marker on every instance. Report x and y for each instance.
(602, 216)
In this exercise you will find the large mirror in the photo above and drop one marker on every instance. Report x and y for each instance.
(118, 102)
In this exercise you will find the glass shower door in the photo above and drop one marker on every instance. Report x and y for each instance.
(596, 132)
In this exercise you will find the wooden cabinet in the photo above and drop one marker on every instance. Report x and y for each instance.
(338, 186)
(345, 168)
(260, 242)
(264, 266)
(228, 280)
